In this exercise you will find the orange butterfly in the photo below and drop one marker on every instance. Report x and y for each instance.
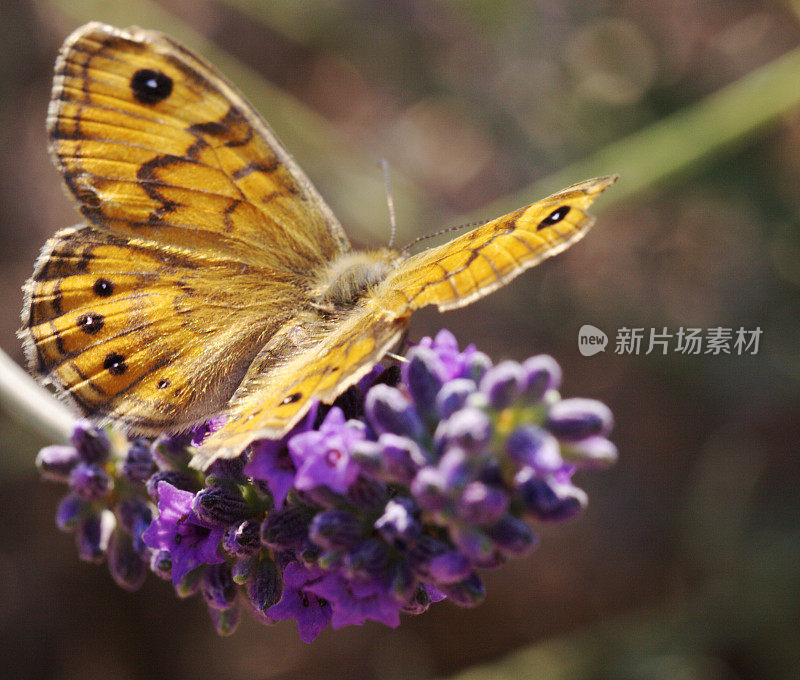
(210, 276)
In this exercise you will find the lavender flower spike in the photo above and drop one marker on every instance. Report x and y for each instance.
(392, 499)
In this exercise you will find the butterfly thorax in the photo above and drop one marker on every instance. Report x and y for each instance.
(350, 277)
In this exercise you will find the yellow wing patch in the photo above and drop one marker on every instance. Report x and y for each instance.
(153, 337)
(488, 257)
(155, 144)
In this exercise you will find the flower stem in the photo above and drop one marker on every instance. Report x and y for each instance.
(34, 405)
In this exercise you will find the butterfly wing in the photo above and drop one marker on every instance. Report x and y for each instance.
(156, 144)
(157, 337)
(203, 234)
(272, 399)
(488, 257)
(450, 276)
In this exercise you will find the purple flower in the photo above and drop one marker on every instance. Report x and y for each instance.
(189, 541)
(271, 463)
(323, 457)
(199, 433)
(355, 601)
(312, 613)
(418, 477)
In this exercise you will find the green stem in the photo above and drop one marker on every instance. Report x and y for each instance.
(680, 142)
(21, 396)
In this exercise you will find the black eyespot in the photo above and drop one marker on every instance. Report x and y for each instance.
(91, 323)
(115, 364)
(150, 87)
(291, 399)
(88, 196)
(556, 216)
(163, 383)
(103, 287)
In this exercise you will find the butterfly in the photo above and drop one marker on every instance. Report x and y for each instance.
(209, 276)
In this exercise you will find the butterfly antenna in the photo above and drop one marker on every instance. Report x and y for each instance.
(447, 230)
(389, 200)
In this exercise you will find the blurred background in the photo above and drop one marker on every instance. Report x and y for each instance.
(685, 564)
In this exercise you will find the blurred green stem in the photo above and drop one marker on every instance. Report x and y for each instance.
(679, 142)
(34, 405)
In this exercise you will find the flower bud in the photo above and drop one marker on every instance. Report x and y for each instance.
(503, 384)
(575, 419)
(453, 396)
(226, 469)
(595, 453)
(218, 587)
(161, 564)
(473, 542)
(132, 513)
(389, 410)
(126, 566)
(450, 567)
(535, 447)
(549, 500)
(403, 582)
(399, 524)
(242, 568)
(190, 583)
(264, 588)
(481, 504)
(89, 481)
(93, 535)
(334, 529)
(468, 428)
(243, 538)
(56, 462)
(466, 593)
(512, 536)
(91, 442)
(423, 375)
(225, 620)
(423, 551)
(542, 373)
(400, 457)
(180, 480)
(367, 559)
(366, 493)
(139, 463)
(286, 528)
(418, 602)
(476, 366)
(170, 452)
(220, 505)
(70, 512)
(429, 489)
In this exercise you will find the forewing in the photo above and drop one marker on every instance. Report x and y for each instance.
(156, 337)
(486, 258)
(156, 144)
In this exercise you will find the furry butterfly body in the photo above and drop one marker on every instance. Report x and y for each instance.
(210, 276)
